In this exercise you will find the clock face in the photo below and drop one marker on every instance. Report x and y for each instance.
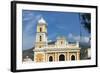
(39, 57)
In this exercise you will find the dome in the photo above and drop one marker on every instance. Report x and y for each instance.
(42, 21)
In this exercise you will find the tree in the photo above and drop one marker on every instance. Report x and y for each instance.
(86, 21)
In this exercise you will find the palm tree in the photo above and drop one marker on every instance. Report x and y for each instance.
(86, 21)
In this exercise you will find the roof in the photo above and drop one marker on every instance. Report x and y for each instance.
(50, 43)
(42, 21)
(71, 42)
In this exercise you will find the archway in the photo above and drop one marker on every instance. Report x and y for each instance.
(50, 59)
(40, 38)
(40, 29)
(72, 57)
(61, 58)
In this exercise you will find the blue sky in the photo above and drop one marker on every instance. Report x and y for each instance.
(58, 24)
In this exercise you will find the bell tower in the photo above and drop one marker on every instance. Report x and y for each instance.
(41, 34)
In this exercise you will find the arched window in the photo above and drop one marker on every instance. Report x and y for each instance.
(72, 57)
(40, 29)
(50, 59)
(40, 38)
(61, 58)
(61, 42)
(39, 46)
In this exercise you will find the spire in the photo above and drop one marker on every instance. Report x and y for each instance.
(42, 21)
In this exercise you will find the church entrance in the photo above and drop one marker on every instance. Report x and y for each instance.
(72, 57)
(61, 58)
(50, 59)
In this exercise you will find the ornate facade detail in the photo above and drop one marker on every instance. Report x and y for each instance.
(59, 50)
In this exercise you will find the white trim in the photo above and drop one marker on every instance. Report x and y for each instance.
(33, 65)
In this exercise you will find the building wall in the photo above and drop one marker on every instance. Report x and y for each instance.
(44, 29)
(64, 51)
(44, 56)
(39, 57)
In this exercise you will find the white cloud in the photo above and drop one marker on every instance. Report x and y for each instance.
(30, 20)
(82, 38)
(31, 23)
(49, 40)
(27, 17)
(79, 38)
(86, 39)
(70, 35)
(61, 26)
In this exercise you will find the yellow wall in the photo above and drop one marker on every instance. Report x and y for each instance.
(44, 29)
(39, 57)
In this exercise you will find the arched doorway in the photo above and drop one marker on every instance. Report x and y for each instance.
(61, 57)
(50, 59)
(72, 57)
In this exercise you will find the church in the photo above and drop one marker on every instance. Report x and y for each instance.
(54, 51)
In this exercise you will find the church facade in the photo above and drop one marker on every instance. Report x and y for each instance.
(54, 51)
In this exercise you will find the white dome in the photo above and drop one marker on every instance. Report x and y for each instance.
(42, 21)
